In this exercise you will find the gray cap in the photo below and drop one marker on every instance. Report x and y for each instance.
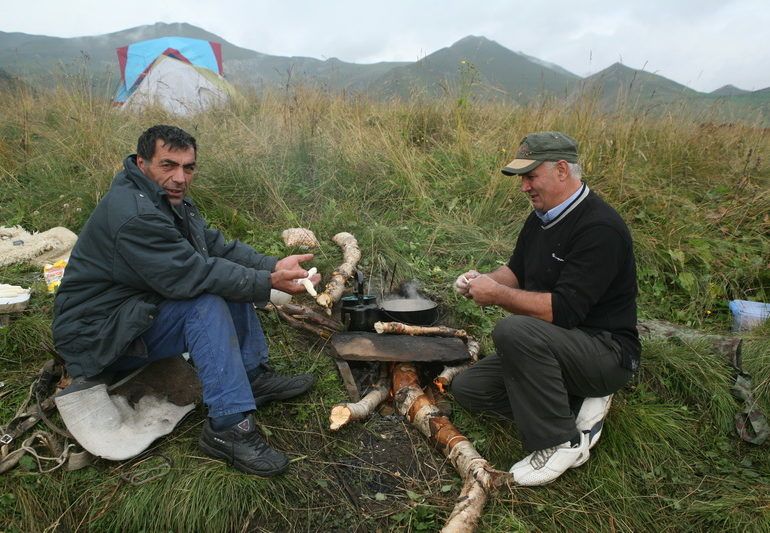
(542, 146)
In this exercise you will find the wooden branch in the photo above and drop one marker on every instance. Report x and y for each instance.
(727, 346)
(343, 413)
(350, 257)
(299, 324)
(478, 476)
(300, 312)
(399, 328)
(444, 379)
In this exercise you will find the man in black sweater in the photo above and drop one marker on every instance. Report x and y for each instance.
(570, 286)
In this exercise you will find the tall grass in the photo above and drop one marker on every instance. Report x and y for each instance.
(418, 183)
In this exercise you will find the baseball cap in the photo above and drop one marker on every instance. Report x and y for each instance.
(542, 146)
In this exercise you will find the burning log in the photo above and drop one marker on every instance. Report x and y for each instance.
(399, 328)
(479, 477)
(444, 379)
(350, 257)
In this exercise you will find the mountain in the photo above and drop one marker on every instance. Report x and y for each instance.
(37, 57)
(477, 65)
(619, 83)
(728, 90)
(40, 58)
(472, 67)
(277, 71)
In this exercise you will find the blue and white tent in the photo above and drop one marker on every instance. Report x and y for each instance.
(180, 74)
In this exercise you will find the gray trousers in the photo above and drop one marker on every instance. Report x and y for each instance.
(538, 366)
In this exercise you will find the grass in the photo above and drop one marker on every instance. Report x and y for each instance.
(418, 183)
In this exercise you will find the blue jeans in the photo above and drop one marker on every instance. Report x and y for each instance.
(225, 341)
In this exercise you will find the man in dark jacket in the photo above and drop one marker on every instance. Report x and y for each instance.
(571, 288)
(148, 279)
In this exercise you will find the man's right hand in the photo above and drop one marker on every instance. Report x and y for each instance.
(284, 280)
(461, 284)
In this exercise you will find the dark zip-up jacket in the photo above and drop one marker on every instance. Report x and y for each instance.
(135, 251)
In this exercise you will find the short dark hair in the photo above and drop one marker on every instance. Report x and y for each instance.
(173, 137)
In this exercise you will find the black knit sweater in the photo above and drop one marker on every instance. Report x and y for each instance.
(585, 259)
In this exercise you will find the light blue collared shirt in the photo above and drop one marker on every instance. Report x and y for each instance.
(554, 212)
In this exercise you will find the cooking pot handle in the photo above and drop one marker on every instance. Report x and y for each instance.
(360, 286)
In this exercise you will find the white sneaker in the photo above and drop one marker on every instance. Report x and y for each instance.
(543, 466)
(590, 419)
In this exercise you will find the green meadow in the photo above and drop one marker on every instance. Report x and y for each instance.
(418, 183)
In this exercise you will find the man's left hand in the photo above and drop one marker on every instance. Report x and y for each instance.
(484, 290)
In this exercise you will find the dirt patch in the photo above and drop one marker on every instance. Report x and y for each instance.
(391, 462)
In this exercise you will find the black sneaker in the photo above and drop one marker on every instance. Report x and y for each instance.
(243, 447)
(269, 386)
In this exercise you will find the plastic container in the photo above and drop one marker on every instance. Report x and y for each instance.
(747, 315)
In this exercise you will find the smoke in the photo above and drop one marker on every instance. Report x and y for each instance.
(407, 290)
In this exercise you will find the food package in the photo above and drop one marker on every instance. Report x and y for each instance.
(53, 274)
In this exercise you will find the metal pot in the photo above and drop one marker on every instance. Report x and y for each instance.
(415, 311)
(360, 311)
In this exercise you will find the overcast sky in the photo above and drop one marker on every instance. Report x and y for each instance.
(703, 44)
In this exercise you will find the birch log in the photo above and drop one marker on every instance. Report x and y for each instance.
(350, 257)
(479, 477)
(399, 328)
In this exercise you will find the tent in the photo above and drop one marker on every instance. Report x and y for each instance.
(182, 75)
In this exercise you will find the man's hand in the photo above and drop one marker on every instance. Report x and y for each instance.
(461, 284)
(484, 290)
(286, 280)
(292, 262)
(288, 270)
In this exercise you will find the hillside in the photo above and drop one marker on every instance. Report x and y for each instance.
(728, 90)
(36, 57)
(473, 66)
(620, 81)
(478, 65)
(39, 58)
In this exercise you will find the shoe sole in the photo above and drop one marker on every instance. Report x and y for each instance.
(218, 454)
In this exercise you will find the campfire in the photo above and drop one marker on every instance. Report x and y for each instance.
(391, 354)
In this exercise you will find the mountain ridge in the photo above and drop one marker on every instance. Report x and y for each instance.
(474, 66)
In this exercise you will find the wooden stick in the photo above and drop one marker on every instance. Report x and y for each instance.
(300, 312)
(316, 330)
(399, 328)
(350, 257)
(479, 477)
